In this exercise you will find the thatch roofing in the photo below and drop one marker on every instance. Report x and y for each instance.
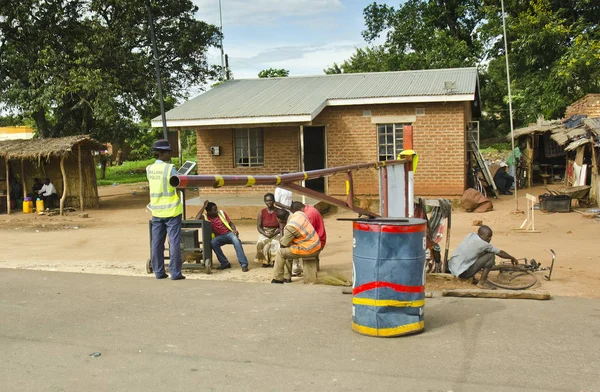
(45, 148)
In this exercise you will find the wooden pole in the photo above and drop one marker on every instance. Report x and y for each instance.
(64, 175)
(80, 178)
(24, 184)
(7, 188)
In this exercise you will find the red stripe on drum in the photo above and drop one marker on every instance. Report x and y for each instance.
(394, 286)
(389, 229)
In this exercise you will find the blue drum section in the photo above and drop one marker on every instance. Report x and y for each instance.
(389, 276)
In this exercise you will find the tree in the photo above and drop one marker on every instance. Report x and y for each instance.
(273, 73)
(85, 66)
(554, 50)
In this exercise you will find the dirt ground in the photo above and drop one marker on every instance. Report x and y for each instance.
(114, 240)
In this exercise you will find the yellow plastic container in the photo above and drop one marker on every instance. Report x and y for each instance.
(39, 205)
(27, 207)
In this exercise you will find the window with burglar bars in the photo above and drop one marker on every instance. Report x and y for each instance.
(249, 148)
(389, 140)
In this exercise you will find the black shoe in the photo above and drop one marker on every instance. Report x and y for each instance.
(287, 281)
(222, 267)
(162, 276)
(508, 193)
(265, 265)
(277, 281)
(245, 268)
(180, 277)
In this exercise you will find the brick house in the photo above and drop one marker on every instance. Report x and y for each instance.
(268, 126)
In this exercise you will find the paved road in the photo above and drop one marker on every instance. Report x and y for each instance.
(224, 336)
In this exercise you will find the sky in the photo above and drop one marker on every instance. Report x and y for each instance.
(302, 36)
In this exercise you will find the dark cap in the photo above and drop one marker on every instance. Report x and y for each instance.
(161, 145)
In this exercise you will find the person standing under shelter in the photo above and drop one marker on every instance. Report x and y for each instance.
(224, 232)
(166, 208)
(269, 231)
(316, 220)
(299, 239)
(514, 159)
(474, 254)
(48, 194)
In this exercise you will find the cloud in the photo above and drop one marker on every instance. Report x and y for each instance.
(254, 12)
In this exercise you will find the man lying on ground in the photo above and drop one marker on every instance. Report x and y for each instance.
(474, 254)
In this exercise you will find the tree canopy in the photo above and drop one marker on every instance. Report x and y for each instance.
(273, 73)
(85, 66)
(554, 49)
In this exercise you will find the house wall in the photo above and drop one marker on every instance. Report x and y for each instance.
(589, 105)
(281, 147)
(439, 139)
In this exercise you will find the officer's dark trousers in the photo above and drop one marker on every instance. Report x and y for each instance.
(160, 228)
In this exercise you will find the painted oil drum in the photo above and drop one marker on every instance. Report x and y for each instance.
(389, 276)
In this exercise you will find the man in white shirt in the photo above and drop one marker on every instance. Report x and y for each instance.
(475, 254)
(48, 194)
(283, 198)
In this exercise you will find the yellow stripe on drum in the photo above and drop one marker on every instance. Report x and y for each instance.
(251, 181)
(219, 181)
(388, 302)
(305, 175)
(347, 187)
(395, 331)
(278, 180)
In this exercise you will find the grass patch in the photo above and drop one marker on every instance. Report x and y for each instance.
(128, 173)
(334, 278)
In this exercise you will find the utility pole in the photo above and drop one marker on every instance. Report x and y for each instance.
(222, 50)
(510, 111)
(157, 68)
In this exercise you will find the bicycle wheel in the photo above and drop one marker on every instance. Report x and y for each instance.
(514, 278)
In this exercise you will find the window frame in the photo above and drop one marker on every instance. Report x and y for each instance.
(253, 148)
(394, 132)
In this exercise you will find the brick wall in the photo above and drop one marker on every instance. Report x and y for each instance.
(439, 138)
(590, 105)
(281, 147)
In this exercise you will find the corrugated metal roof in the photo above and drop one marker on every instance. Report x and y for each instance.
(303, 95)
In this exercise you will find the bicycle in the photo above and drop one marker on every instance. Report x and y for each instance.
(476, 182)
(520, 276)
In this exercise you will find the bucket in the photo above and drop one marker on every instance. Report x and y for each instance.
(389, 276)
(39, 205)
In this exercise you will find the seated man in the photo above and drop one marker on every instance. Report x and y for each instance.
(299, 240)
(37, 185)
(474, 254)
(316, 220)
(503, 180)
(48, 194)
(269, 232)
(224, 232)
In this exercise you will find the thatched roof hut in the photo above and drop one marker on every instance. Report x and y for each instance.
(67, 161)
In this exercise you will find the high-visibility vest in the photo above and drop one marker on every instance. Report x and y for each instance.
(308, 242)
(223, 219)
(164, 200)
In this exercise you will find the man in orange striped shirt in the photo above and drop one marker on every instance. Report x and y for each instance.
(299, 239)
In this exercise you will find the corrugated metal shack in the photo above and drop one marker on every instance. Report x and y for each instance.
(563, 150)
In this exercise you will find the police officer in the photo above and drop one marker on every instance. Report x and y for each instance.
(166, 210)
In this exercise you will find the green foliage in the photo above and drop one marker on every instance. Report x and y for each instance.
(273, 73)
(85, 66)
(554, 51)
(129, 172)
